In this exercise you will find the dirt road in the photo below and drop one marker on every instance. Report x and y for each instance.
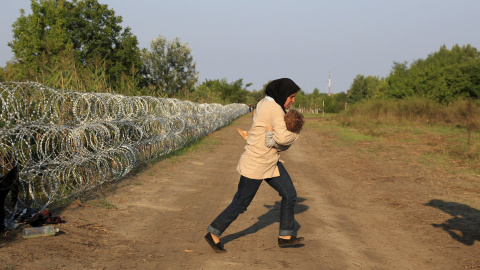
(361, 205)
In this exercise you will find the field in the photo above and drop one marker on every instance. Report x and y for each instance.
(390, 200)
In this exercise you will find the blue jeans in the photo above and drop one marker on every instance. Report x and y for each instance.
(247, 188)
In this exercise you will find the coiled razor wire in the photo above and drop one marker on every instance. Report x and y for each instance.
(65, 142)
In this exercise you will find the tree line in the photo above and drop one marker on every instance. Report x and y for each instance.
(444, 76)
(81, 45)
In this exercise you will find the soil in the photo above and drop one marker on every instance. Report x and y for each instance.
(361, 205)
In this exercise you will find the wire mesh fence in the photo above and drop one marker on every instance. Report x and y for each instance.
(66, 142)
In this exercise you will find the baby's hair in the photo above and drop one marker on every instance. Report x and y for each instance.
(294, 121)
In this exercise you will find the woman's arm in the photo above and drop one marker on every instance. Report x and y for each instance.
(280, 133)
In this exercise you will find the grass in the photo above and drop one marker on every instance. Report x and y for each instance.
(345, 134)
(103, 203)
(445, 146)
(201, 144)
(432, 158)
(204, 143)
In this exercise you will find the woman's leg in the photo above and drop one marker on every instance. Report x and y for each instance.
(247, 188)
(284, 185)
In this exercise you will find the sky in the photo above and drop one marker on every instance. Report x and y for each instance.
(305, 40)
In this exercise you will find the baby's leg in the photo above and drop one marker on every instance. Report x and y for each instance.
(243, 133)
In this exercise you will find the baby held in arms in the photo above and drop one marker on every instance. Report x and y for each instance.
(294, 122)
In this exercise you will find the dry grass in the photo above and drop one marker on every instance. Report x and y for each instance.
(446, 135)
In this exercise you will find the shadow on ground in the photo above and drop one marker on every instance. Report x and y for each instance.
(270, 217)
(464, 226)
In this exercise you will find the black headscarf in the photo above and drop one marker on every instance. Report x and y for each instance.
(280, 90)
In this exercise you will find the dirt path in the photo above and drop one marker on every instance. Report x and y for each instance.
(360, 206)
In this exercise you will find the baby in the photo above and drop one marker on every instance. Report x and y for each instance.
(294, 122)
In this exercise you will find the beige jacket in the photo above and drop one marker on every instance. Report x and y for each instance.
(259, 161)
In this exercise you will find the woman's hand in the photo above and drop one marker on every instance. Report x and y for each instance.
(269, 128)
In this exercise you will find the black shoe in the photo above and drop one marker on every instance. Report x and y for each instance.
(293, 241)
(216, 247)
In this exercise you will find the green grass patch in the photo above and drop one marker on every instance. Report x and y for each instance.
(311, 115)
(330, 125)
(103, 203)
(205, 143)
(430, 158)
(450, 147)
(350, 135)
(410, 140)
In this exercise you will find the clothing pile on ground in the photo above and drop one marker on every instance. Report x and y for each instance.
(33, 217)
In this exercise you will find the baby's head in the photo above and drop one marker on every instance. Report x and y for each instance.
(294, 121)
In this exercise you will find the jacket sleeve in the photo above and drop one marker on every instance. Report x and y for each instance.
(280, 133)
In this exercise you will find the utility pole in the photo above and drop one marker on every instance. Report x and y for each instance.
(329, 79)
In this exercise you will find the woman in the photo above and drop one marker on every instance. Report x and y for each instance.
(259, 162)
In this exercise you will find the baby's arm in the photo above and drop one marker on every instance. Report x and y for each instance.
(269, 141)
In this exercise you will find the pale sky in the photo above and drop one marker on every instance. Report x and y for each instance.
(262, 40)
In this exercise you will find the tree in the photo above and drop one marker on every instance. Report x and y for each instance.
(169, 66)
(363, 87)
(339, 101)
(301, 100)
(474, 71)
(330, 103)
(447, 75)
(443, 76)
(398, 83)
(89, 29)
(223, 92)
(255, 96)
(357, 89)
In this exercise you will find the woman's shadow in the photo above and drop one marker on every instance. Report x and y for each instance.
(267, 219)
(465, 224)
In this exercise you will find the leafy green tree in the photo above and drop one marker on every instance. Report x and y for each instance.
(315, 99)
(380, 90)
(333, 103)
(340, 99)
(444, 76)
(315, 94)
(169, 66)
(89, 29)
(363, 87)
(398, 84)
(301, 100)
(357, 89)
(224, 92)
(234, 92)
(473, 69)
(255, 96)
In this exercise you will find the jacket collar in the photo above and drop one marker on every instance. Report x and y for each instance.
(269, 98)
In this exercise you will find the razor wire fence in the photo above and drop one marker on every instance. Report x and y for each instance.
(66, 142)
